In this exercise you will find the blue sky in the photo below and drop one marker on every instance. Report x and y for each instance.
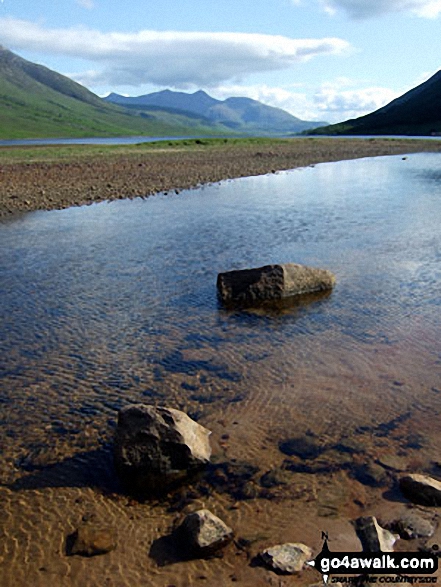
(318, 59)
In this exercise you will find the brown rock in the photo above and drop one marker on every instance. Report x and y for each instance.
(249, 287)
(157, 446)
(91, 540)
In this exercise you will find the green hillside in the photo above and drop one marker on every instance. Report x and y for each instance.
(36, 102)
(417, 113)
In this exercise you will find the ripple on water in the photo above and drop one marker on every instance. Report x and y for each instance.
(114, 304)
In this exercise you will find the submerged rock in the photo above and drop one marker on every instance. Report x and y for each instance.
(305, 447)
(275, 477)
(286, 558)
(250, 287)
(203, 533)
(156, 447)
(413, 525)
(373, 537)
(421, 489)
(393, 462)
(371, 474)
(92, 540)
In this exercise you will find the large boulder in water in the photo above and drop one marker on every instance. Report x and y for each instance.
(248, 287)
(156, 447)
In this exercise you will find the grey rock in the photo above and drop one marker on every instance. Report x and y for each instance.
(413, 525)
(92, 540)
(249, 287)
(421, 489)
(373, 537)
(156, 447)
(203, 533)
(286, 558)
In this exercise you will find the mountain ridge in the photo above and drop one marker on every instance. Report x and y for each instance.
(37, 102)
(238, 113)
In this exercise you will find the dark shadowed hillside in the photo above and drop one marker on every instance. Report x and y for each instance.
(418, 112)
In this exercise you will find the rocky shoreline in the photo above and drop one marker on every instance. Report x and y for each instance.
(30, 181)
(152, 444)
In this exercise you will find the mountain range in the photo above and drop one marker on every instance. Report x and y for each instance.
(242, 115)
(36, 102)
(417, 112)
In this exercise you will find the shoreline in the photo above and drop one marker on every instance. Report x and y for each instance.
(57, 176)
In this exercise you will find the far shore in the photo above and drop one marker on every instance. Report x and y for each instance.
(59, 176)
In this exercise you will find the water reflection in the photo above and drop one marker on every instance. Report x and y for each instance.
(116, 303)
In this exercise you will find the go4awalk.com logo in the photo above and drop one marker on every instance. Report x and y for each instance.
(406, 567)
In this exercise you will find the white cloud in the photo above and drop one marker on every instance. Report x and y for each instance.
(89, 4)
(177, 59)
(290, 98)
(337, 102)
(360, 9)
(334, 101)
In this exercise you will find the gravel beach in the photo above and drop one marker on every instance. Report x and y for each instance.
(55, 177)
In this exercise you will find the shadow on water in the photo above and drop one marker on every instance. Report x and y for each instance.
(293, 307)
(95, 469)
(86, 469)
(167, 551)
(175, 362)
(170, 549)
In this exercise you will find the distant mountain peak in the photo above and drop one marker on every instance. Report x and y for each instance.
(36, 102)
(238, 113)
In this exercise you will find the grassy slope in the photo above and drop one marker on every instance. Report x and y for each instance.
(37, 102)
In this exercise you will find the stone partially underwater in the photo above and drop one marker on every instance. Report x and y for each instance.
(203, 533)
(158, 447)
(271, 283)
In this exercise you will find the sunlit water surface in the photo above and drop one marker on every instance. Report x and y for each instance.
(116, 303)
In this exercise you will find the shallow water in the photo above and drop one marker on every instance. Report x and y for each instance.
(87, 141)
(116, 303)
(142, 139)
